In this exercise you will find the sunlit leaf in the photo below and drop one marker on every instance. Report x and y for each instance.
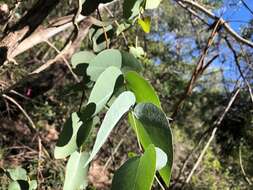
(138, 52)
(14, 186)
(145, 24)
(101, 38)
(161, 158)
(122, 27)
(76, 173)
(137, 173)
(143, 91)
(120, 106)
(152, 4)
(66, 143)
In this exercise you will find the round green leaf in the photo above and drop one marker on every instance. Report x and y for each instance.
(137, 173)
(76, 174)
(120, 106)
(81, 57)
(143, 91)
(102, 61)
(104, 87)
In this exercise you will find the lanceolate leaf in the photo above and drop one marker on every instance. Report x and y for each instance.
(104, 87)
(152, 127)
(102, 61)
(121, 105)
(143, 91)
(137, 173)
(76, 173)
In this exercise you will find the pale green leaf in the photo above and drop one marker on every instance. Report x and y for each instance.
(19, 185)
(152, 4)
(102, 61)
(138, 52)
(76, 173)
(33, 185)
(161, 158)
(74, 133)
(17, 173)
(81, 57)
(67, 140)
(120, 106)
(104, 87)
(14, 185)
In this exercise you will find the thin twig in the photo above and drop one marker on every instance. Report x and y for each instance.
(247, 7)
(236, 58)
(242, 168)
(32, 127)
(199, 69)
(105, 33)
(211, 15)
(216, 124)
(65, 60)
